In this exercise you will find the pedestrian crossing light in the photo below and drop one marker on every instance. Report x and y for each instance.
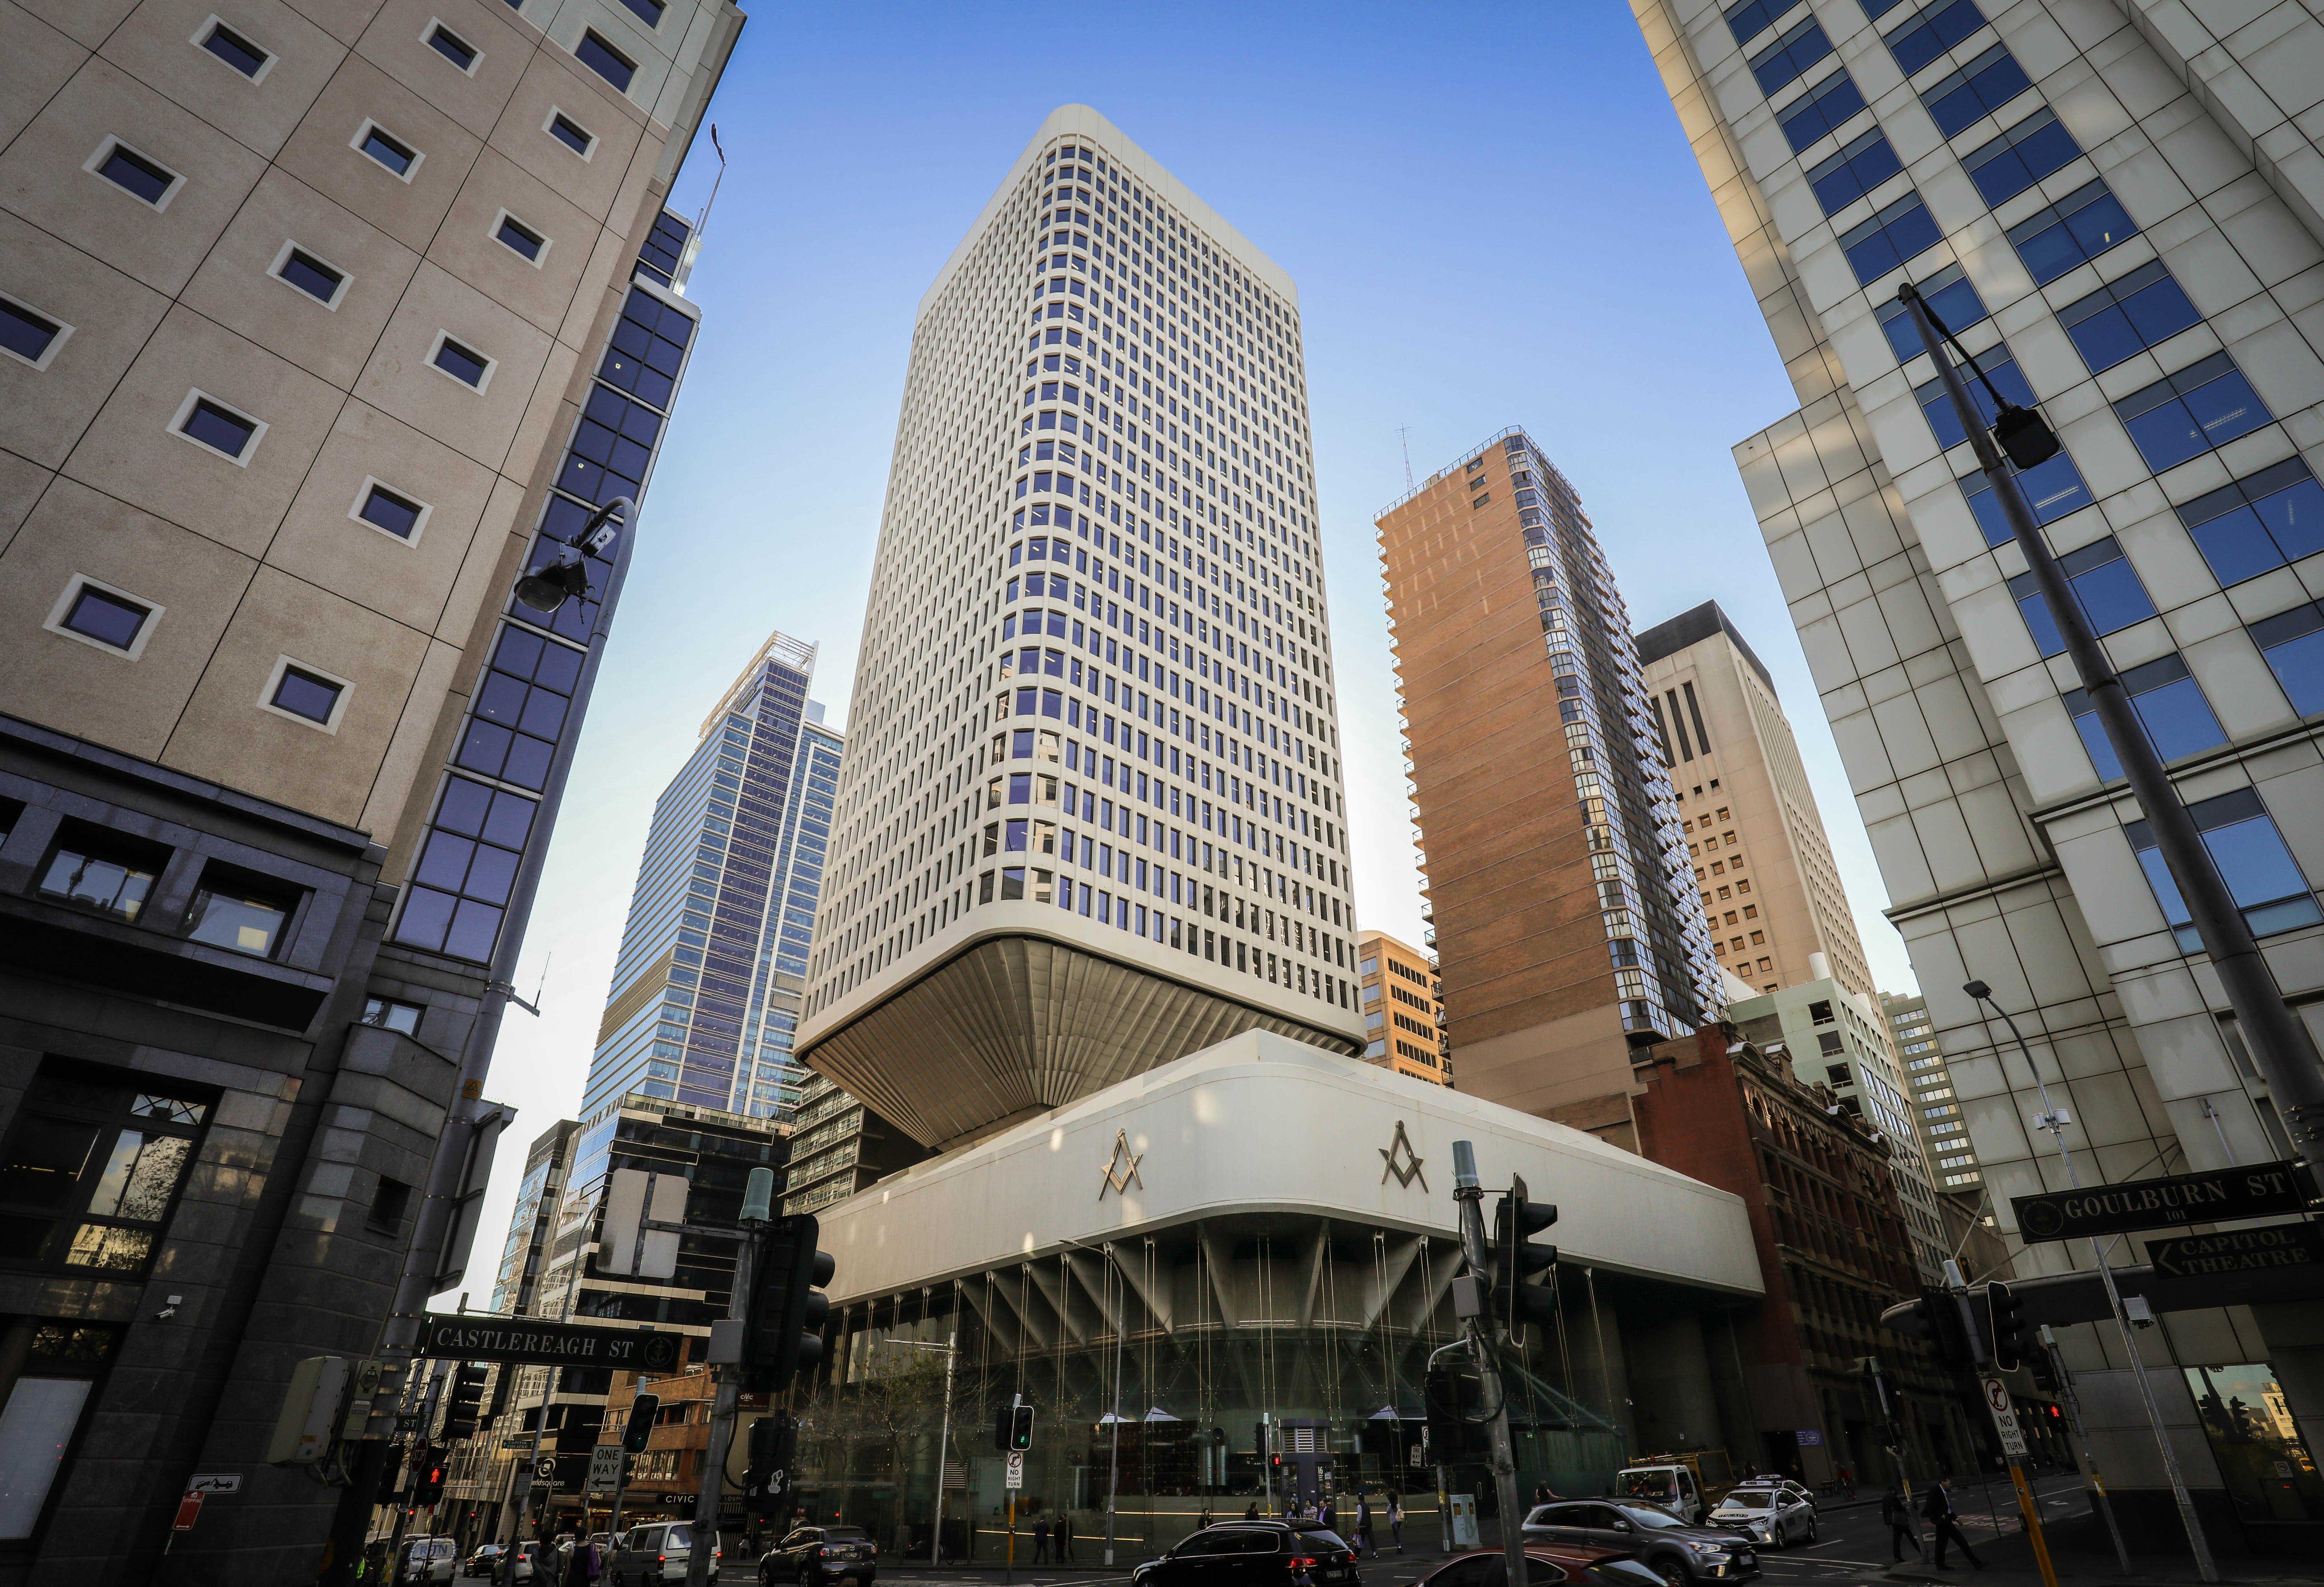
(1515, 1259)
(464, 1405)
(784, 1335)
(2005, 1330)
(1012, 1427)
(638, 1431)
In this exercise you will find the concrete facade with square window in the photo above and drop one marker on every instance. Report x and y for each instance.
(258, 634)
(2117, 207)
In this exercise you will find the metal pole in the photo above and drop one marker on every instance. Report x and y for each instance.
(1471, 1195)
(1113, 1478)
(944, 1440)
(2082, 1439)
(722, 1425)
(2279, 1047)
(549, 1387)
(2204, 1566)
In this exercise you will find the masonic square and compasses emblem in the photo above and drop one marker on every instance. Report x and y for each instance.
(1120, 1170)
(1406, 1170)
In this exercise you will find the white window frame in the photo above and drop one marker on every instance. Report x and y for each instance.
(274, 681)
(362, 495)
(114, 141)
(47, 353)
(428, 34)
(63, 609)
(199, 42)
(546, 242)
(185, 411)
(371, 124)
(550, 122)
(282, 257)
(435, 346)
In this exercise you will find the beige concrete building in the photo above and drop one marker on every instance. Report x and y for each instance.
(1936, 1104)
(320, 325)
(1090, 818)
(1404, 1021)
(1771, 892)
(2120, 209)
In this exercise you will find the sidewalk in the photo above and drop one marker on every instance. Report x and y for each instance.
(2084, 1556)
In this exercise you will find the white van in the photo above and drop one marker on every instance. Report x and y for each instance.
(430, 1559)
(1672, 1486)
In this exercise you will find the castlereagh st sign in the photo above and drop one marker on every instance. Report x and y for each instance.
(561, 1345)
(2217, 1197)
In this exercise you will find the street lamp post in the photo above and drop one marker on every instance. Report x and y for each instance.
(2279, 1047)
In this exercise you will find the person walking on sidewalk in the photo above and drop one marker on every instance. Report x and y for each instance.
(1395, 1519)
(1364, 1524)
(1896, 1514)
(1041, 1540)
(1944, 1524)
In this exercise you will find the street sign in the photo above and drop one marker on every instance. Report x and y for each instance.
(2004, 1417)
(1015, 1469)
(1809, 1437)
(605, 1468)
(519, 1484)
(2217, 1197)
(189, 1510)
(451, 1337)
(214, 1482)
(2241, 1250)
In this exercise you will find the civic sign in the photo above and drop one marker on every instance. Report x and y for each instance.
(560, 1344)
(2004, 1417)
(2238, 1251)
(2216, 1197)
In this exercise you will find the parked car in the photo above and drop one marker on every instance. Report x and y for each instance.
(1771, 1515)
(815, 1556)
(653, 1554)
(430, 1559)
(1253, 1554)
(1804, 1493)
(1674, 1487)
(485, 1561)
(1678, 1552)
(1546, 1566)
(527, 1563)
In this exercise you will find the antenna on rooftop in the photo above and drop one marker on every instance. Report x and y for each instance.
(1404, 434)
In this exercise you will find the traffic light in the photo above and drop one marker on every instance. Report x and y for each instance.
(2010, 1342)
(2045, 1372)
(638, 1431)
(784, 1333)
(1455, 1396)
(1936, 1317)
(465, 1400)
(391, 1476)
(428, 1487)
(773, 1445)
(1012, 1427)
(1514, 1259)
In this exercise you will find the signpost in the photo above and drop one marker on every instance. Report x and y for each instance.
(1015, 1469)
(2219, 1195)
(2240, 1251)
(214, 1482)
(2004, 1418)
(558, 1344)
(605, 1468)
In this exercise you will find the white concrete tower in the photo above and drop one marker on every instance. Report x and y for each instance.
(1089, 818)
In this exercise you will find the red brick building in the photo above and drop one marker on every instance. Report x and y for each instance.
(1832, 1248)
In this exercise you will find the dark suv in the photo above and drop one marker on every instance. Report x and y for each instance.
(815, 1556)
(1253, 1554)
(1681, 1555)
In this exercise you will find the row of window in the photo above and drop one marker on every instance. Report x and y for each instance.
(113, 873)
(253, 61)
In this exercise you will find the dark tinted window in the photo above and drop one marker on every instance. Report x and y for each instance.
(462, 364)
(1801, 45)
(2079, 227)
(1975, 91)
(2102, 580)
(1820, 111)
(236, 50)
(1951, 296)
(1747, 21)
(1899, 232)
(310, 275)
(133, 172)
(2001, 369)
(392, 153)
(452, 46)
(106, 618)
(2127, 316)
(2021, 156)
(218, 427)
(24, 333)
(92, 1170)
(2183, 415)
(520, 236)
(647, 11)
(2293, 643)
(1932, 30)
(605, 60)
(2053, 489)
(2258, 522)
(390, 512)
(305, 694)
(1861, 164)
(571, 134)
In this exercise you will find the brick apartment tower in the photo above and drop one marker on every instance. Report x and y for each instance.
(1403, 1012)
(1568, 927)
(1771, 892)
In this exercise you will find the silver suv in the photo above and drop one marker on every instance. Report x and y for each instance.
(655, 1553)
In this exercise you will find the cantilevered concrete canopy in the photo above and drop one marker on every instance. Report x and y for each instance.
(1260, 1127)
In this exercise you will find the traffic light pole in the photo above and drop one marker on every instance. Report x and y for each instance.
(2082, 1441)
(1469, 1294)
(1983, 1346)
(722, 1425)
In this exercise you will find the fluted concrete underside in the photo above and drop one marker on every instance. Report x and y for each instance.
(1017, 1024)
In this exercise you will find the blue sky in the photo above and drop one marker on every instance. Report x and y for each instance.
(1492, 218)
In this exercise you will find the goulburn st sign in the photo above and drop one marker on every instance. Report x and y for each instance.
(559, 1345)
(2218, 1196)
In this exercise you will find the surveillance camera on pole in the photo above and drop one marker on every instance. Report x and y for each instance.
(546, 588)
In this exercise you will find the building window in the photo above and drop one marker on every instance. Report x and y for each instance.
(2253, 861)
(2053, 489)
(648, 12)
(61, 1365)
(1962, 99)
(571, 134)
(1929, 31)
(1858, 166)
(606, 61)
(101, 616)
(1937, 407)
(1801, 45)
(316, 277)
(390, 512)
(146, 179)
(29, 335)
(1949, 296)
(389, 151)
(461, 362)
(1901, 231)
(390, 1014)
(247, 913)
(2077, 228)
(207, 422)
(2021, 156)
(102, 869)
(93, 1169)
(460, 888)
(1820, 112)
(2203, 406)
(2258, 522)
(2102, 580)
(453, 47)
(2127, 316)
(1747, 21)
(2170, 704)
(222, 43)
(519, 238)
(390, 1200)
(2293, 643)
(305, 695)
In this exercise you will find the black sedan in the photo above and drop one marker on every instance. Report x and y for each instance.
(816, 1556)
(1681, 1555)
(1254, 1554)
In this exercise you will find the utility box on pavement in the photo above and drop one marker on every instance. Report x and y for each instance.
(1461, 1520)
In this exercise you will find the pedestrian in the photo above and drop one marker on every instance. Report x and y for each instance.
(1944, 1523)
(1041, 1540)
(1205, 1519)
(1395, 1519)
(1363, 1524)
(1330, 1517)
(1896, 1514)
(1848, 1481)
(1252, 1513)
(584, 1565)
(1064, 1534)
